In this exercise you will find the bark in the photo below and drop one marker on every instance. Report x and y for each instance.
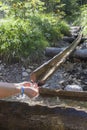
(21, 116)
(52, 51)
(68, 39)
(71, 39)
(79, 53)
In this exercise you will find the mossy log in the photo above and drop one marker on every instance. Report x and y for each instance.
(21, 116)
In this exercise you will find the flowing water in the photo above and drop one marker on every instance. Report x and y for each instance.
(49, 101)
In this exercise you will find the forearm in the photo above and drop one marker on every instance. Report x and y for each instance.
(8, 89)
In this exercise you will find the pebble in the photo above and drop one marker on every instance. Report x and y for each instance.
(23, 69)
(0, 74)
(25, 74)
(0, 68)
(31, 67)
(28, 70)
(45, 85)
(75, 88)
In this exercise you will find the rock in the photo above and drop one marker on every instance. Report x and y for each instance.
(75, 88)
(28, 70)
(31, 67)
(45, 85)
(23, 69)
(0, 68)
(25, 74)
(63, 83)
(0, 74)
(85, 88)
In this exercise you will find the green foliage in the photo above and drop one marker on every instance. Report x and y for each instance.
(71, 9)
(54, 7)
(82, 2)
(64, 28)
(49, 26)
(24, 8)
(27, 30)
(82, 20)
(20, 39)
(51, 5)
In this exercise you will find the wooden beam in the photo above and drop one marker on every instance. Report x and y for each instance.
(82, 96)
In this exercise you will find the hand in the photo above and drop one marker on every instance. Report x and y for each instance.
(30, 89)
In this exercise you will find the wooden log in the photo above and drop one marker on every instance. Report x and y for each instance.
(52, 51)
(81, 95)
(42, 73)
(21, 116)
(79, 53)
(71, 39)
(68, 39)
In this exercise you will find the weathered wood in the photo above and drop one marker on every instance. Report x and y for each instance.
(82, 95)
(52, 51)
(68, 39)
(79, 53)
(71, 39)
(42, 73)
(21, 116)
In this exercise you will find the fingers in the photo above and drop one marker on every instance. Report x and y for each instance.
(29, 84)
(31, 92)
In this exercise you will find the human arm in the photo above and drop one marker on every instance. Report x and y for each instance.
(9, 89)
